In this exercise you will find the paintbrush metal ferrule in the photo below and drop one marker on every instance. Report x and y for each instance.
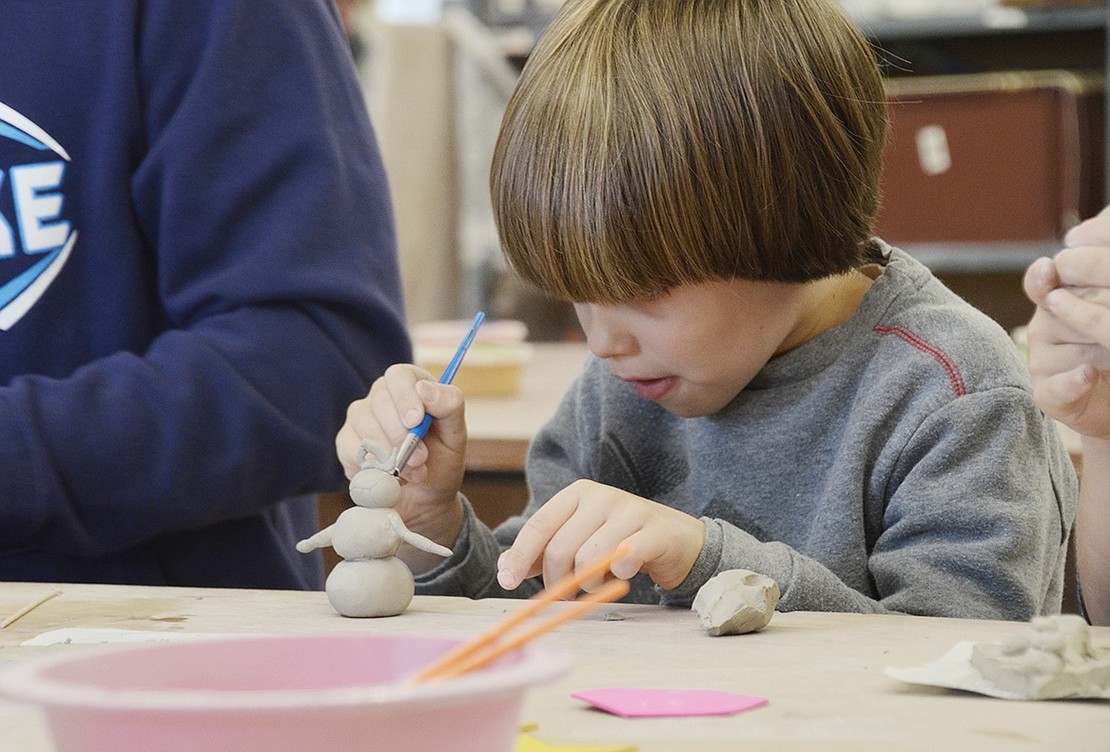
(404, 453)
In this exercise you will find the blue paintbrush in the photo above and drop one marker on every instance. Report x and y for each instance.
(408, 446)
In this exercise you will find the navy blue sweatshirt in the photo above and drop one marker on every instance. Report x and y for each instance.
(197, 275)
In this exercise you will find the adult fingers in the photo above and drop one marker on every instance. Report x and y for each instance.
(1064, 395)
(1090, 319)
(1094, 231)
(1040, 279)
(1084, 265)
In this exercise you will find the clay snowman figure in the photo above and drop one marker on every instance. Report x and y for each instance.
(370, 580)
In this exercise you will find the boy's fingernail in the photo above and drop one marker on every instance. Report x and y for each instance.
(425, 390)
(413, 418)
(506, 579)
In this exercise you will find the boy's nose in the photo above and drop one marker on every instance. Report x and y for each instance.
(605, 337)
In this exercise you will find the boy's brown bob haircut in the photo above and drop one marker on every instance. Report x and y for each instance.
(656, 143)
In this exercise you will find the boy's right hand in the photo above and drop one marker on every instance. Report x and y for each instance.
(397, 402)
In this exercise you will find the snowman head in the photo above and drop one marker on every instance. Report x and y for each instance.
(374, 487)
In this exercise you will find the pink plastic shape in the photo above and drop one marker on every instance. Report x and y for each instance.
(335, 692)
(645, 703)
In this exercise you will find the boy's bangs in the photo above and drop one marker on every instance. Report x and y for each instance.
(680, 142)
(583, 246)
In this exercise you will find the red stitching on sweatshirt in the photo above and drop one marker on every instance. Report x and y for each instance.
(937, 354)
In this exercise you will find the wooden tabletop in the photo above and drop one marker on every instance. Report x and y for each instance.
(822, 672)
(500, 428)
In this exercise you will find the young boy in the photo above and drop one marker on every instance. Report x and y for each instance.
(773, 389)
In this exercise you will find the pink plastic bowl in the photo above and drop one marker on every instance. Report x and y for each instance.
(296, 693)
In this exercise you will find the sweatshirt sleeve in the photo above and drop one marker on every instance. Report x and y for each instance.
(471, 570)
(262, 198)
(959, 538)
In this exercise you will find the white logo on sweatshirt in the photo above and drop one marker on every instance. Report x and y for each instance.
(34, 233)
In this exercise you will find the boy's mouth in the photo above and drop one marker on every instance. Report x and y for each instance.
(653, 389)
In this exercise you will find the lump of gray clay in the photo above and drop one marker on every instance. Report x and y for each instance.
(736, 601)
(1054, 658)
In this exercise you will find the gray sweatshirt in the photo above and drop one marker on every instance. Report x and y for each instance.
(896, 463)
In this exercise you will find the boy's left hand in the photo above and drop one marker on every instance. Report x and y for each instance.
(587, 520)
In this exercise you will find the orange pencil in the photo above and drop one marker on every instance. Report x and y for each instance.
(496, 641)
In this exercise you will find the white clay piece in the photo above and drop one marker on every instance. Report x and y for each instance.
(370, 581)
(736, 601)
(1053, 659)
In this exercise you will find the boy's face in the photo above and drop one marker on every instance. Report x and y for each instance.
(693, 348)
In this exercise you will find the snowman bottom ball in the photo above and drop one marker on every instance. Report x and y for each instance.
(370, 587)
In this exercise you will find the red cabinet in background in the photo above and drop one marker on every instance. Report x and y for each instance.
(992, 157)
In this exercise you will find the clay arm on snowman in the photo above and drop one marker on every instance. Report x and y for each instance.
(320, 539)
(416, 540)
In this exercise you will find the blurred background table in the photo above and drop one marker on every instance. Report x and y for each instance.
(501, 429)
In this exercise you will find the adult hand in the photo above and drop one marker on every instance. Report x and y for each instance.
(588, 520)
(1069, 334)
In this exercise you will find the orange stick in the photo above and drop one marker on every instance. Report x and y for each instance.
(567, 586)
(608, 593)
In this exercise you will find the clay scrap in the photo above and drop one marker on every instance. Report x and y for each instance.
(1054, 658)
(736, 601)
